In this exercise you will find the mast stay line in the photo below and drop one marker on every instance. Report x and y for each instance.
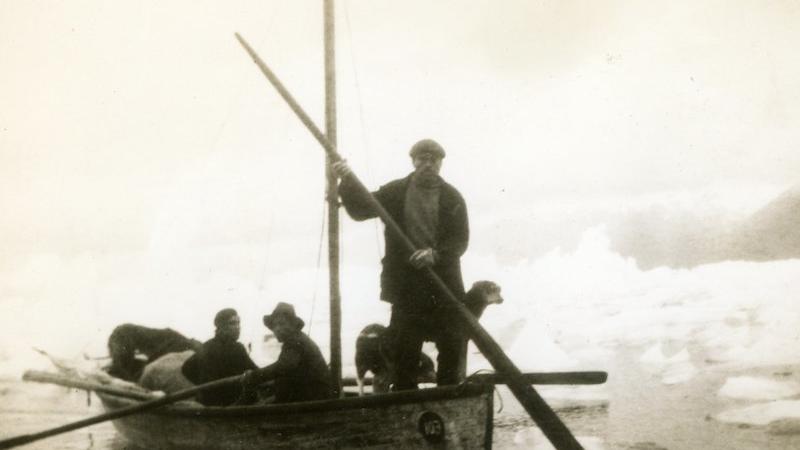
(541, 413)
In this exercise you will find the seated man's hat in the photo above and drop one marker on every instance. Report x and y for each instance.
(286, 310)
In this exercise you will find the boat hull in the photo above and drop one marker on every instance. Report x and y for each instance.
(442, 418)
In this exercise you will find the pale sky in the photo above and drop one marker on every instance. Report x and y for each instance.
(144, 127)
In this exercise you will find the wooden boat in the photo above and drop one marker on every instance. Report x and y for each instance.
(442, 418)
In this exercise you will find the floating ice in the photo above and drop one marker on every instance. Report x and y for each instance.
(673, 369)
(752, 388)
(679, 373)
(534, 439)
(532, 349)
(762, 413)
(575, 396)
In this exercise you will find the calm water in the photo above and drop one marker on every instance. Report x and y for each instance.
(638, 413)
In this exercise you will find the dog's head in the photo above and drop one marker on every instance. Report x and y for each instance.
(372, 331)
(122, 342)
(482, 294)
(487, 291)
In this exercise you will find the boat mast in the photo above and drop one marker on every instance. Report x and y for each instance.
(333, 200)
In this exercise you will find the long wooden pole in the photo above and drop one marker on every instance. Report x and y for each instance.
(296, 108)
(333, 201)
(541, 413)
(122, 412)
(550, 378)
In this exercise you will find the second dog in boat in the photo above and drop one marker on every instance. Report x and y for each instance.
(373, 345)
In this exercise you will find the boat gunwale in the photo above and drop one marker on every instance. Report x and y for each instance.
(464, 390)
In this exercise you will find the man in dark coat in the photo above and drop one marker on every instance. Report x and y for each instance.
(300, 373)
(433, 215)
(220, 357)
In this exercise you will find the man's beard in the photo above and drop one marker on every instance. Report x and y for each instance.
(426, 178)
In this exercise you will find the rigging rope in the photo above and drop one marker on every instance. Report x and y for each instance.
(215, 144)
(239, 95)
(496, 391)
(319, 264)
(362, 121)
(242, 85)
(266, 257)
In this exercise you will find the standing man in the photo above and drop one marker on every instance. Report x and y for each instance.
(433, 215)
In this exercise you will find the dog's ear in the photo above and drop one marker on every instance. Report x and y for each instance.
(478, 285)
(486, 286)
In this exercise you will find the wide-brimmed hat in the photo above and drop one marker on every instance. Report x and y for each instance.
(428, 146)
(285, 310)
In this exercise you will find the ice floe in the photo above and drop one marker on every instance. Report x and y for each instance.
(752, 388)
(672, 367)
(762, 413)
(534, 439)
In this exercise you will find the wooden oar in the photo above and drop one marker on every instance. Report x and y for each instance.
(541, 413)
(541, 378)
(549, 378)
(145, 406)
(87, 385)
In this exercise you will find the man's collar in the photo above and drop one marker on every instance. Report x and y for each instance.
(435, 183)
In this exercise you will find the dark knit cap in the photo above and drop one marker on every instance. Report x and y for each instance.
(223, 316)
(427, 146)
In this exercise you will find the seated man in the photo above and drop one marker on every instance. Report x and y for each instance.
(300, 373)
(128, 339)
(220, 357)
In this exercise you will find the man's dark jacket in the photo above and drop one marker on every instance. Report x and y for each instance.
(402, 284)
(300, 373)
(218, 358)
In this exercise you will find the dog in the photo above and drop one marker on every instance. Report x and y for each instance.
(128, 341)
(482, 294)
(373, 349)
(373, 354)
